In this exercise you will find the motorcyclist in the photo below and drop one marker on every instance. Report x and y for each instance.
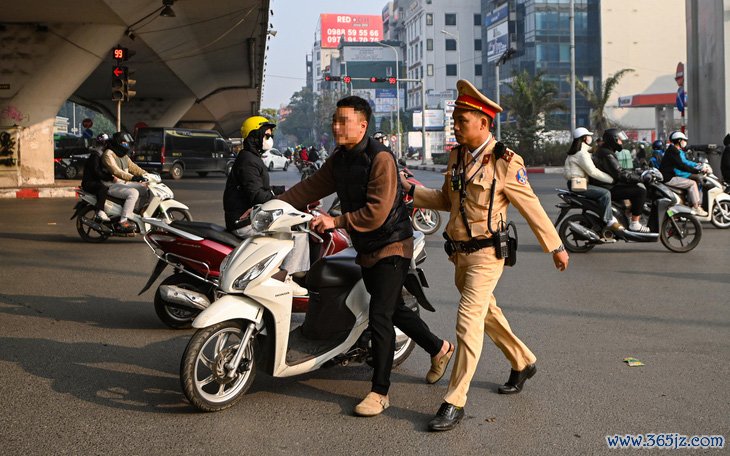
(248, 185)
(95, 175)
(127, 178)
(578, 164)
(382, 138)
(625, 184)
(672, 162)
(657, 152)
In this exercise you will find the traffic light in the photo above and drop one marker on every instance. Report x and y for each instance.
(120, 53)
(122, 84)
(119, 74)
(389, 80)
(129, 84)
(346, 79)
(329, 78)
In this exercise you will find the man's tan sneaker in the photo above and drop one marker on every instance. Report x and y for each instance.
(372, 405)
(438, 366)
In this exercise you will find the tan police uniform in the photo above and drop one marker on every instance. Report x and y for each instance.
(477, 273)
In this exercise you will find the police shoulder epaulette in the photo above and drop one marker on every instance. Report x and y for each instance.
(507, 156)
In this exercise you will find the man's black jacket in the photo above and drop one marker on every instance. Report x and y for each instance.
(671, 161)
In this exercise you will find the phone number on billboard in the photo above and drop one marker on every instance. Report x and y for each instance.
(335, 31)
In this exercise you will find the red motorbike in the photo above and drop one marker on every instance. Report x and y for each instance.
(196, 250)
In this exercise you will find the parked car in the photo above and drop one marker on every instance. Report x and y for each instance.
(178, 151)
(273, 159)
(69, 155)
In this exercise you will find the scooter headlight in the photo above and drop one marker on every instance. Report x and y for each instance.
(253, 272)
(263, 219)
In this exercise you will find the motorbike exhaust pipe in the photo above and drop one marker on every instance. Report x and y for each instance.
(582, 233)
(186, 298)
(96, 226)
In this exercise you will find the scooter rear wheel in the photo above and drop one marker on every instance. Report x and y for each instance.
(176, 317)
(427, 221)
(718, 219)
(571, 243)
(203, 372)
(87, 233)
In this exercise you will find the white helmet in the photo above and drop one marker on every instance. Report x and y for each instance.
(677, 135)
(580, 132)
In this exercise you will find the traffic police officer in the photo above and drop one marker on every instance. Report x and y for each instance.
(472, 165)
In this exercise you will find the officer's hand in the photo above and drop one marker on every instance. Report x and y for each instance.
(322, 223)
(561, 260)
(246, 214)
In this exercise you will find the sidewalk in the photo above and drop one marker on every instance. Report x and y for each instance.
(61, 188)
(429, 166)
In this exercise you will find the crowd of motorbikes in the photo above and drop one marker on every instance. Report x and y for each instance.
(665, 212)
(232, 290)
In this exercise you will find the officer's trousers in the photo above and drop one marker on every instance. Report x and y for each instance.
(477, 275)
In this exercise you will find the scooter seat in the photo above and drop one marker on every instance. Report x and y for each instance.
(207, 230)
(339, 270)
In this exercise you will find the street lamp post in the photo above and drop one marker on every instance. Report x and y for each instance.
(458, 52)
(503, 58)
(397, 92)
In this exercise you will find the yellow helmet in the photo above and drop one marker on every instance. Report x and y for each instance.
(254, 123)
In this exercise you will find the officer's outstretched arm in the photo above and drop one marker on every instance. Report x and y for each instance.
(520, 194)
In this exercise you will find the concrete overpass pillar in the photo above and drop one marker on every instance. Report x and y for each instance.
(43, 69)
(175, 111)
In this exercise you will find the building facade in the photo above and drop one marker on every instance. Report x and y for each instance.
(647, 36)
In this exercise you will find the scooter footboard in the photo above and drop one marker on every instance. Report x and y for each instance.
(230, 307)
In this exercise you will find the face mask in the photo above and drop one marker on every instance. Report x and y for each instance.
(268, 143)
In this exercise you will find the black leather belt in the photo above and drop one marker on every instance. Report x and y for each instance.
(470, 246)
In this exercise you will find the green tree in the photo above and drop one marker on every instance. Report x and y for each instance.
(528, 104)
(271, 114)
(298, 122)
(598, 100)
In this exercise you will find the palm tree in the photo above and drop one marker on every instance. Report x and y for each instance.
(528, 103)
(599, 119)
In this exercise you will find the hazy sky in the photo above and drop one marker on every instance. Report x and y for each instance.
(294, 22)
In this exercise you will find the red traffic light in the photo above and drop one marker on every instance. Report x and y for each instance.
(373, 79)
(346, 79)
(392, 80)
(327, 77)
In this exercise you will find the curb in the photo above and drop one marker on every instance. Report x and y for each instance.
(38, 192)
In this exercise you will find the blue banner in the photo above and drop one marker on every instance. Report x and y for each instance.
(498, 15)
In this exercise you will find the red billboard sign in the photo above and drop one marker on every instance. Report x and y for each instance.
(361, 28)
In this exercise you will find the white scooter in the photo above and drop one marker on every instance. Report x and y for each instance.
(161, 205)
(249, 327)
(714, 200)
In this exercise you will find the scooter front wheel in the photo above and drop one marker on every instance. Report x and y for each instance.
(681, 232)
(206, 379)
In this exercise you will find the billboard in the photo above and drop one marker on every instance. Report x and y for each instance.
(360, 28)
(380, 100)
(434, 118)
(497, 41)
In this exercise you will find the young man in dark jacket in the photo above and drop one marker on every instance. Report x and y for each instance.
(248, 183)
(364, 174)
(625, 183)
(95, 176)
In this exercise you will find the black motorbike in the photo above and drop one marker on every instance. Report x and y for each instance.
(668, 220)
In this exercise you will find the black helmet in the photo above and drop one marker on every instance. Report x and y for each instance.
(121, 143)
(611, 138)
(658, 145)
(379, 136)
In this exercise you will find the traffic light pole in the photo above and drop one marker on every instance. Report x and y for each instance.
(119, 115)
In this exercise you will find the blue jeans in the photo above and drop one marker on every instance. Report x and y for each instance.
(603, 196)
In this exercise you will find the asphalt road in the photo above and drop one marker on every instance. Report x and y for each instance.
(87, 368)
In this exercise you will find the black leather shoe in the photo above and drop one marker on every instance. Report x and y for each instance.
(446, 418)
(517, 380)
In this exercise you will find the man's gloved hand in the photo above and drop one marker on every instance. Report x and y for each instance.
(137, 179)
(278, 189)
